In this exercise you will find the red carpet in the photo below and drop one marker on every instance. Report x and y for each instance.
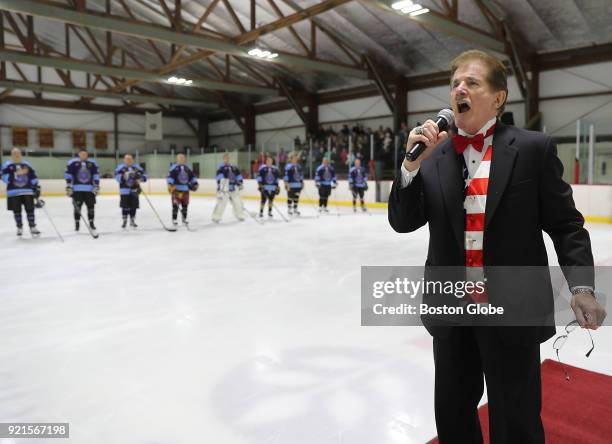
(578, 411)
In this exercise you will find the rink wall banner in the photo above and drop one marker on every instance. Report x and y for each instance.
(153, 126)
(469, 296)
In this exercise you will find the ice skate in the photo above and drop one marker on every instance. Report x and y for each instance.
(34, 231)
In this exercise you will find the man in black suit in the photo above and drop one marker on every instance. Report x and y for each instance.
(525, 196)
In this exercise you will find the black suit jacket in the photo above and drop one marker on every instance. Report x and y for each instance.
(526, 196)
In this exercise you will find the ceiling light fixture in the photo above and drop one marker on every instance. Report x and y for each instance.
(179, 81)
(409, 7)
(402, 4)
(262, 53)
(419, 12)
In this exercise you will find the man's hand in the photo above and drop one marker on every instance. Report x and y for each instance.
(431, 136)
(589, 313)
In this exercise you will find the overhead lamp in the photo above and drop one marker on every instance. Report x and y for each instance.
(262, 53)
(412, 8)
(402, 4)
(419, 12)
(409, 7)
(179, 81)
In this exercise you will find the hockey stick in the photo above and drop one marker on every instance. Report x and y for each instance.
(78, 210)
(279, 212)
(52, 223)
(156, 213)
(336, 200)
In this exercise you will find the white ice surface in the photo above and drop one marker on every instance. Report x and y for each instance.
(236, 333)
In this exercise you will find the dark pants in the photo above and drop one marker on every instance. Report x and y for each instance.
(324, 192)
(129, 203)
(267, 196)
(84, 197)
(514, 388)
(357, 192)
(14, 204)
(293, 196)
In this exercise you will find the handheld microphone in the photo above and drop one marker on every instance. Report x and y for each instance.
(444, 120)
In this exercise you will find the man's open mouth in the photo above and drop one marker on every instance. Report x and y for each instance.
(463, 106)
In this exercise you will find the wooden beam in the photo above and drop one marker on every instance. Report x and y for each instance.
(2, 64)
(89, 106)
(7, 92)
(295, 35)
(234, 17)
(253, 21)
(149, 41)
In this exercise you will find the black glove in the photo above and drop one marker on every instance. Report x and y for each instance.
(365, 186)
(194, 186)
(69, 191)
(277, 191)
(96, 190)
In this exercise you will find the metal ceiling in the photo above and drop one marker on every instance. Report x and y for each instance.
(142, 42)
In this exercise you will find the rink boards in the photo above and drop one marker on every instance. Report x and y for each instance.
(594, 201)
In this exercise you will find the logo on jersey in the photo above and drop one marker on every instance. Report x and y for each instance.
(327, 174)
(358, 176)
(183, 176)
(21, 180)
(231, 175)
(270, 177)
(131, 177)
(83, 175)
(297, 175)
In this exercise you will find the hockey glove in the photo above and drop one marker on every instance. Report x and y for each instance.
(69, 191)
(171, 188)
(96, 190)
(194, 186)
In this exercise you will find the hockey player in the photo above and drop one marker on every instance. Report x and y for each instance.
(267, 183)
(129, 175)
(181, 181)
(21, 189)
(325, 180)
(229, 184)
(82, 185)
(294, 182)
(358, 184)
